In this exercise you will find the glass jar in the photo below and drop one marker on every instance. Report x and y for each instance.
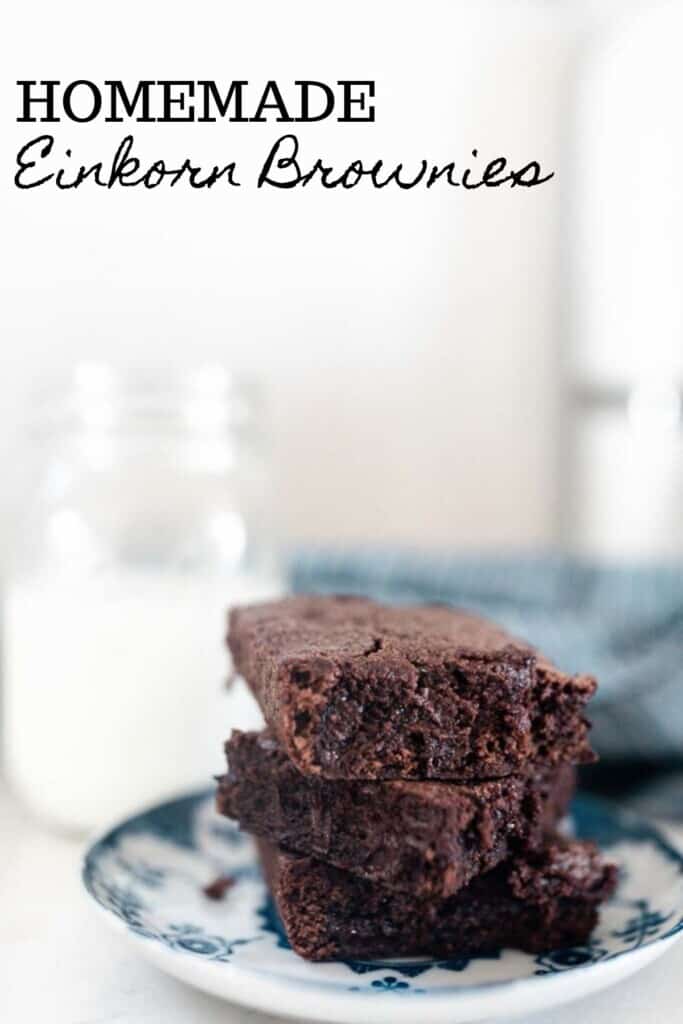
(151, 519)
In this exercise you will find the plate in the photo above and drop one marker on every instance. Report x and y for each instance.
(147, 876)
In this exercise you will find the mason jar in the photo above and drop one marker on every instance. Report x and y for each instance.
(151, 517)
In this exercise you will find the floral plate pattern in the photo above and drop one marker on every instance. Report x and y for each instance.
(148, 875)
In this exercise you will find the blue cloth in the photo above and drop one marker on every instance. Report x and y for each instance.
(625, 626)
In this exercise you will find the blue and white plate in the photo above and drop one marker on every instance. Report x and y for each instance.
(147, 876)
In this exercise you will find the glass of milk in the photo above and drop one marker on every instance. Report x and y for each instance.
(151, 519)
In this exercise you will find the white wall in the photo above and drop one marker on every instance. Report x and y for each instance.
(628, 478)
(409, 340)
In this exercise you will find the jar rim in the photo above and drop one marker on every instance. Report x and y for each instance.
(207, 399)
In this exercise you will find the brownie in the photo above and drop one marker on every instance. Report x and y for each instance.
(547, 900)
(358, 690)
(429, 838)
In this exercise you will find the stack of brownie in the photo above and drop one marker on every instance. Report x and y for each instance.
(407, 788)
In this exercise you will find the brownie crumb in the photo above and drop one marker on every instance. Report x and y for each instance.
(217, 889)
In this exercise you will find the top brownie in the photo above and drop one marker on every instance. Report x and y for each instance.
(358, 690)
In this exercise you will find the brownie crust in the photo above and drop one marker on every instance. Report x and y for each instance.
(426, 838)
(547, 901)
(357, 690)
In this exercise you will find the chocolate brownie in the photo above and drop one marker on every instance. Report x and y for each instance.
(428, 838)
(547, 900)
(358, 690)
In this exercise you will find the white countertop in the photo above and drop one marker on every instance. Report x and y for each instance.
(59, 963)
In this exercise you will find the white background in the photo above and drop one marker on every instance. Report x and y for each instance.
(411, 344)
(408, 340)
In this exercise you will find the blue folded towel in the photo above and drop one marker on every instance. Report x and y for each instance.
(624, 626)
